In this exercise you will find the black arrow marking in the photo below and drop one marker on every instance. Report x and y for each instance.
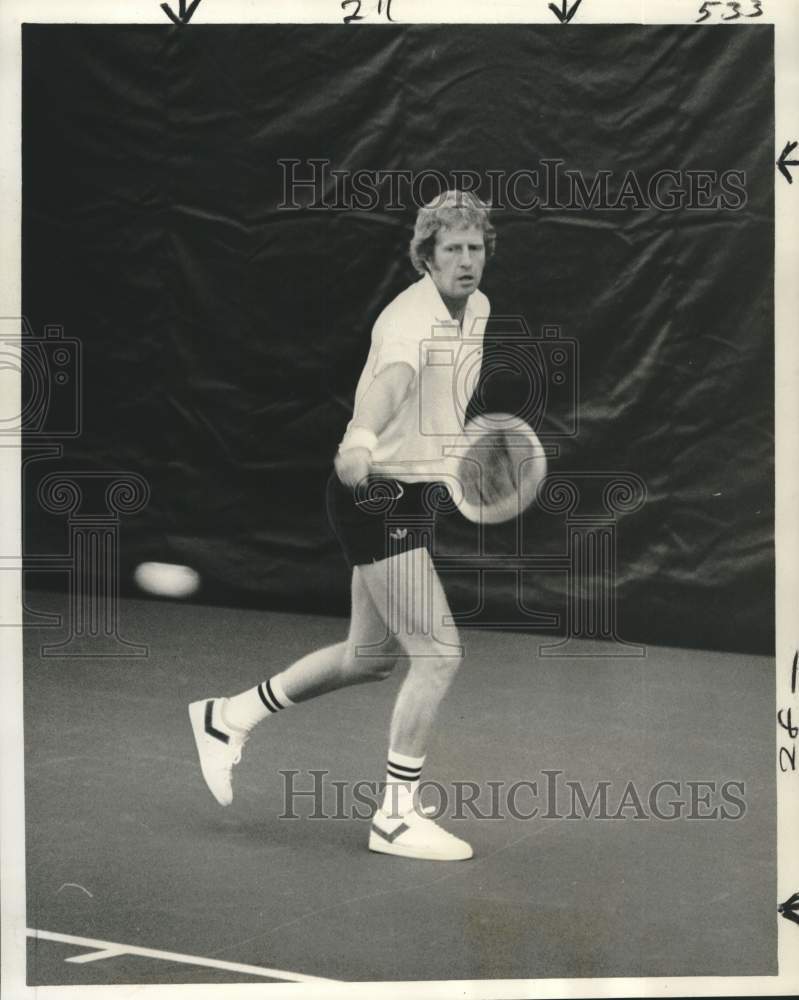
(783, 164)
(790, 908)
(564, 15)
(184, 14)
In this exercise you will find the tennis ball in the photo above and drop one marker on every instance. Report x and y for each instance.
(166, 579)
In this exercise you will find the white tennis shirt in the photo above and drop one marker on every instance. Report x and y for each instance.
(416, 328)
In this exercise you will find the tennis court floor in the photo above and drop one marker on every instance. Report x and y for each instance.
(136, 875)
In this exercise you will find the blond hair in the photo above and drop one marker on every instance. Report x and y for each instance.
(449, 210)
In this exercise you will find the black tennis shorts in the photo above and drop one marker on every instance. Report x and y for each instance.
(383, 517)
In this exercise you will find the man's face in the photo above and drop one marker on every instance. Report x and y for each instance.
(459, 257)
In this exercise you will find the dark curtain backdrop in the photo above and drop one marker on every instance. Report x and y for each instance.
(222, 336)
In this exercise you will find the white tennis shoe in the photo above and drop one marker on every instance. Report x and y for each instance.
(219, 747)
(415, 836)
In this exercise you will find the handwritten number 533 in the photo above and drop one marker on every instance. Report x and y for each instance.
(755, 10)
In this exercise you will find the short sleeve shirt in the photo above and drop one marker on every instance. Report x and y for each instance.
(417, 329)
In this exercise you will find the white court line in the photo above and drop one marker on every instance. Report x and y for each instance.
(108, 949)
(94, 956)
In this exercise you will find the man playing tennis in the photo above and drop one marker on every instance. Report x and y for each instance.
(391, 458)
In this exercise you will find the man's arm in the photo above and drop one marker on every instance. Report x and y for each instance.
(384, 397)
(379, 404)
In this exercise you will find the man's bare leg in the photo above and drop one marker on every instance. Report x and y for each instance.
(408, 591)
(222, 726)
(368, 653)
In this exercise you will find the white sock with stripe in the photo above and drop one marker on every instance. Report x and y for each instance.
(245, 710)
(402, 783)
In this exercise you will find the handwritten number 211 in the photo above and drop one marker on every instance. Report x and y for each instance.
(358, 16)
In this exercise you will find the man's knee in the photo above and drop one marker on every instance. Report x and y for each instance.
(364, 665)
(438, 662)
